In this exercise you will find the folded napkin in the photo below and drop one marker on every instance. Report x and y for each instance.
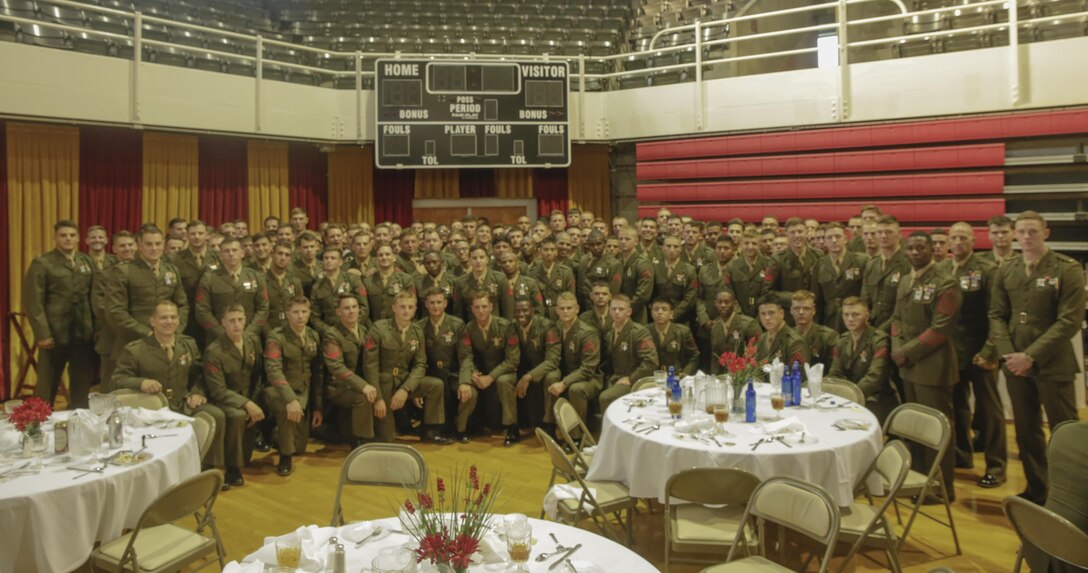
(785, 426)
(694, 425)
(492, 549)
(236, 567)
(9, 436)
(774, 372)
(814, 373)
(138, 417)
(313, 548)
(560, 492)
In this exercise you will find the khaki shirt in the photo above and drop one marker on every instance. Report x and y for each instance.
(280, 293)
(821, 342)
(602, 323)
(526, 287)
(922, 326)
(604, 269)
(57, 297)
(713, 279)
(233, 378)
(698, 256)
(792, 272)
(787, 346)
(146, 359)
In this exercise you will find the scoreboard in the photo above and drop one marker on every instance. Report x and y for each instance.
(471, 113)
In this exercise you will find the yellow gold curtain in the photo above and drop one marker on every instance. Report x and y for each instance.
(171, 178)
(351, 185)
(514, 183)
(589, 180)
(43, 187)
(269, 183)
(438, 184)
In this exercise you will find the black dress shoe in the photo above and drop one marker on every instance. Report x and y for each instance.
(929, 500)
(462, 437)
(435, 437)
(260, 445)
(284, 467)
(512, 437)
(990, 481)
(234, 477)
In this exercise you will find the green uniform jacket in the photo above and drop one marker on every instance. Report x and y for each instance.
(712, 280)
(1039, 313)
(856, 244)
(605, 269)
(525, 286)
(190, 273)
(342, 350)
(698, 256)
(676, 348)
(391, 361)
(749, 283)
(107, 261)
(100, 285)
(792, 272)
(540, 348)
(280, 293)
(560, 279)
(821, 344)
(653, 253)
(637, 283)
(325, 295)
(866, 364)
(831, 287)
(306, 274)
(731, 335)
(292, 365)
(443, 282)
(680, 286)
(990, 256)
(443, 348)
(493, 283)
(57, 297)
(787, 346)
(629, 352)
(145, 359)
(408, 265)
(880, 285)
(923, 324)
(364, 269)
(381, 294)
(599, 323)
(975, 278)
(581, 356)
(216, 291)
(232, 379)
(493, 352)
(132, 297)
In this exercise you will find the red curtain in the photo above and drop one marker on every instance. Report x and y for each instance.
(477, 183)
(550, 188)
(110, 178)
(308, 178)
(5, 270)
(224, 180)
(393, 193)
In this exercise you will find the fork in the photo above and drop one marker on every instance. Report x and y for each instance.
(15, 469)
(650, 429)
(88, 471)
(377, 531)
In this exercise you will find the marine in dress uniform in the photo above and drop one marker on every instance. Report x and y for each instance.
(630, 354)
(579, 364)
(522, 285)
(381, 289)
(675, 344)
(191, 262)
(676, 281)
(233, 374)
(792, 270)
(837, 276)
(596, 266)
(883, 274)
(282, 287)
(637, 276)
(713, 278)
(750, 275)
(222, 288)
(861, 356)
(554, 277)
(539, 364)
(731, 332)
(482, 279)
(442, 339)
(342, 350)
(490, 353)
(293, 367)
(326, 290)
(437, 276)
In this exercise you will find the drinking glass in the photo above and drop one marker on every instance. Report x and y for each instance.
(721, 416)
(288, 551)
(778, 402)
(519, 543)
(393, 560)
(676, 406)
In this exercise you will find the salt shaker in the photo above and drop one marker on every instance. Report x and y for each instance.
(339, 561)
(115, 428)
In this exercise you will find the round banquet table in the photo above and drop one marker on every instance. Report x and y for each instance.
(831, 458)
(51, 520)
(598, 551)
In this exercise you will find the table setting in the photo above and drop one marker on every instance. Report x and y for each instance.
(649, 435)
(89, 475)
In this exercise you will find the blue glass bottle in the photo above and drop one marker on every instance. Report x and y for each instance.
(787, 384)
(674, 383)
(750, 403)
(796, 401)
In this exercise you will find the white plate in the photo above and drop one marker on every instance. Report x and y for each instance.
(358, 531)
(582, 567)
(796, 439)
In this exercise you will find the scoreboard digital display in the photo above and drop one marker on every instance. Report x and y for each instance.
(472, 113)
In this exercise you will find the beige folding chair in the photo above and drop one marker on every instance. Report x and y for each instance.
(157, 543)
(843, 389)
(10, 406)
(644, 383)
(395, 465)
(610, 497)
(1051, 533)
(792, 504)
(866, 523)
(928, 428)
(204, 427)
(137, 399)
(695, 527)
(568, 424)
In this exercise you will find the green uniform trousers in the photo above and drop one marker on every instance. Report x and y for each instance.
(80, 361)
(1028, 398)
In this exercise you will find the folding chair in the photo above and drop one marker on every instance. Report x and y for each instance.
(928, 428)
(610, 498)
(204, 427)
(573, 431)
(843, 389)
(695, 527)
(791, 504)
(137, 399)
(394, 465)
(156, 544)
(644, 383)
(1051, 533)
(866, 522)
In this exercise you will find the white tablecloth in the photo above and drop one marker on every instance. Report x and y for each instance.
(50, 522)
(646, 462)
(600, 551)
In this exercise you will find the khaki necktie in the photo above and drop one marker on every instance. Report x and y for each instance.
(199, 261)
(155, 269)
(1029, 267)
(169, 348)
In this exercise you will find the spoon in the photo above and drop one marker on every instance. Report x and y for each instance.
(377, 531)
(88, 471)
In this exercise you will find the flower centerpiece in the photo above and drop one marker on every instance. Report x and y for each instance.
(449, 522)
(740, 369)
(28, 418)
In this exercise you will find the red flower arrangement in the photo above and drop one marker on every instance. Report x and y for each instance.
(29, 416)
(449, 524)
(744, 366)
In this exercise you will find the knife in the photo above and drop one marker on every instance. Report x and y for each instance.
(564, 557)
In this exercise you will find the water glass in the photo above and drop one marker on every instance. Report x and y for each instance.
(721, 416)
(519, 543)
(393, 560)
(288, 551)
(676, 406)
(778, 402)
